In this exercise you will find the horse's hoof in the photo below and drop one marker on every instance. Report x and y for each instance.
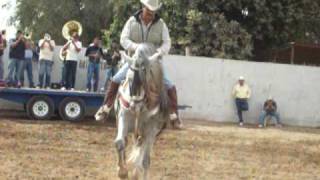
(123, 173)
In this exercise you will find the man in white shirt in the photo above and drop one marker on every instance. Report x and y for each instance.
(73, 48)
(241, 92)
(145, 26)
(46, 46)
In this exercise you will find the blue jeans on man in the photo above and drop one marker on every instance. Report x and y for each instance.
(1, 67)
(45, 73)
(13, 67)
(110, 72)
(122, 73)
(26, 65)
(272, 114)
(242, 105)
(93, 74)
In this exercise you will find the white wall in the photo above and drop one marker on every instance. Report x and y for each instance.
(205, 84)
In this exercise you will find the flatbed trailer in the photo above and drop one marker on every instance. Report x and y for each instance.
(42, 104)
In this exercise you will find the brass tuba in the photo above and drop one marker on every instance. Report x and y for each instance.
(67, 30)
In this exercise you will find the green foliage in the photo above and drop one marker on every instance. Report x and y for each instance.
(41, 16)
(215, 28)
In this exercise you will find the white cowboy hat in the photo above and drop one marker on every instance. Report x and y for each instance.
(152, 5)
(241, 78)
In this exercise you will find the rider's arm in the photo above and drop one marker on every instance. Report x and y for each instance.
(166, 41)
(125, 41)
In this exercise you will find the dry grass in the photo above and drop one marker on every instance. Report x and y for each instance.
(59, 150)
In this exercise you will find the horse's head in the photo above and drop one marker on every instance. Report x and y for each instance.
(139, 63)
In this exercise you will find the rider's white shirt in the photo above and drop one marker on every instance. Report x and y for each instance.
(131, 46)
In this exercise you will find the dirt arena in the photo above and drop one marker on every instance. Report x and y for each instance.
(202, 151)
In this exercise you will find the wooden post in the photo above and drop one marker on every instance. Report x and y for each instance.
(292, 53)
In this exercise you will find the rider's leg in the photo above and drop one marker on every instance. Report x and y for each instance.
(112, 90)
(172, 94)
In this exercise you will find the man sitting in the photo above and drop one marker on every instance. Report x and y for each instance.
(269, 109)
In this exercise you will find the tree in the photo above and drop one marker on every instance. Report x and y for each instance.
(41, 16)
(207, 32)
(273, 24)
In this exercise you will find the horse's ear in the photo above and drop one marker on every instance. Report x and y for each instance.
(125, 57)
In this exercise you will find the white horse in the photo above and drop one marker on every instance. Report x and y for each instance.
(141, 108)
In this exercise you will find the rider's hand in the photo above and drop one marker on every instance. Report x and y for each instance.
(155, 56)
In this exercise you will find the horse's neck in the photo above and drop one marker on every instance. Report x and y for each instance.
(124, 91)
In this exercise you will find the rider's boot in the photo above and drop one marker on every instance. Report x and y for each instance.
(109, 99)
(174, 115)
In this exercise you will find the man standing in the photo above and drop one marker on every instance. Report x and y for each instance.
(28, 63)
(2, 48)
(145, 26)
(16, 54)
(241, 92)
(73, 48)
(94, 53)
(269, 109)
(46, 60)
(112, 57)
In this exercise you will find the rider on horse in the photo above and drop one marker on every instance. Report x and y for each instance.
(145, 26)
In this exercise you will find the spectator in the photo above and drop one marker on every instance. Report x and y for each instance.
(47, 46)
(27, 64)
(16, 54)
(112, 57)
(241, 92)
(269, 109)
(2, 48)
(94, 53)
(73, 48)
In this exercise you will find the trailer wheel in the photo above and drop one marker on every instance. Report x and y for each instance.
(40, 108)
(72, 109)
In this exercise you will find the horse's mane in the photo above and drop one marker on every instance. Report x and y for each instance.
(153, 81)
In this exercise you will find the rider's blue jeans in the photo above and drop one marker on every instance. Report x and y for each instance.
(121, 75)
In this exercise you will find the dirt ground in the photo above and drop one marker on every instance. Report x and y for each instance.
(202, 151)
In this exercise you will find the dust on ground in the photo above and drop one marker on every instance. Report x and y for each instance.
(202, 151)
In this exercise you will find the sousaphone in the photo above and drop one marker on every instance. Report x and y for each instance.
(67, 30)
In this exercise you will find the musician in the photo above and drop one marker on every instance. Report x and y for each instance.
(269, 109)
(2, 48)
(145, 26)
(73, 49)
(113, 58)
(94, 53)
(47, 46)
(16, 54)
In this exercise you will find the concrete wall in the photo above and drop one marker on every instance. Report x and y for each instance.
(205, 84)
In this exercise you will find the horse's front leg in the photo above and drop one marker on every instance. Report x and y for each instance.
(120, 143)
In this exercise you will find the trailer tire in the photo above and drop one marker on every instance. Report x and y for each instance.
(72, 109)
(40, 108)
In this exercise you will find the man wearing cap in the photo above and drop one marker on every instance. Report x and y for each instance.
(145, 26)
(269, 109)
(241, 92)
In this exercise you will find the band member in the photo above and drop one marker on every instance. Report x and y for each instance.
(113, 58)
(27, 66)
(145, 26)
(2, 48)
(73, 49)
(47, 46)
(241, 92)
(94, 53)
(16, 54)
